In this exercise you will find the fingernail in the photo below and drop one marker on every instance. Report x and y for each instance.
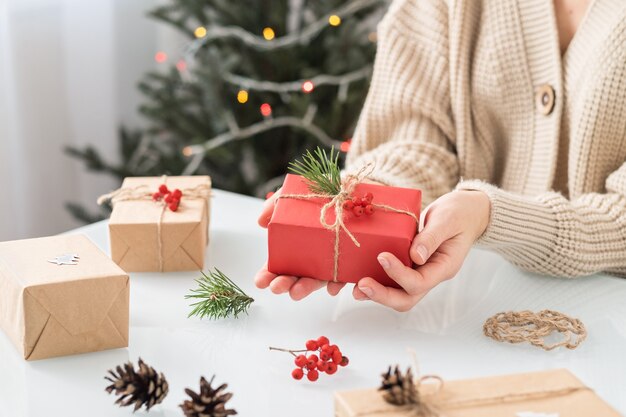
(383, 262)
(421, 249)
(367, 290)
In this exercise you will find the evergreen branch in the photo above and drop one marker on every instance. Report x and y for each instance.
(294, 38)
(219, 297)
(291, 86)
(320, 170)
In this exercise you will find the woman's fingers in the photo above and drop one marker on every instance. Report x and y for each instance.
(282, 284)
(298, 288)
(358, 294)
(263, 277)
(412, 281)
(439, 267)
(439, 226)
(333, 288)
(268, 210)
(305, 286)
(395, 298)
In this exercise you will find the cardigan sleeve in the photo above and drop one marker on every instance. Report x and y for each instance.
(552, 235)
(406, 130)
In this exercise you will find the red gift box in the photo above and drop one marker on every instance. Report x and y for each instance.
(300, 246)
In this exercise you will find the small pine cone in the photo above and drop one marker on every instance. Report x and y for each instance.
(209, 402)
(398, 388)
(141, 387)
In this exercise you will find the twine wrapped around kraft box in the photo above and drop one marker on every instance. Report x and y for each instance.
(146, 236)
(61, 295)
(546, 393)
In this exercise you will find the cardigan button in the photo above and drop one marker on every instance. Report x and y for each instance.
(544, 99)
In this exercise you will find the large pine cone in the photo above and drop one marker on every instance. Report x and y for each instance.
(141, 387)
(209, 402)
(398, 388)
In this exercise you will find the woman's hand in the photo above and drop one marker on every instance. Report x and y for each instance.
(297, 287)
(452, 224)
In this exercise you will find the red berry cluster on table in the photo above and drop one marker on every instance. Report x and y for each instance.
(359, 206)
(319, 356)
(171, 198)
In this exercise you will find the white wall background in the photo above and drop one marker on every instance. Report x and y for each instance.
(68, 71)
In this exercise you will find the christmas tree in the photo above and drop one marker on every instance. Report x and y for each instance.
(257, 84)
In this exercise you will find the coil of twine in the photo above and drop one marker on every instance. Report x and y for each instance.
(527, 326)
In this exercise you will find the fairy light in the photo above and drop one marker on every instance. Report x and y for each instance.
(160, 57)
(268, 34)
(181, 65)
(334, 20)
(242, 96)
(200, 32)
(345, 145)
(307, 86)
(187, 151)
(372, 37)
(266, 109)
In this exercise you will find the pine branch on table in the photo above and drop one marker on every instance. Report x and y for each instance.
(218, 297)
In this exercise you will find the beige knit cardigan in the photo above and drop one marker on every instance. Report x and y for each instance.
(456, 102)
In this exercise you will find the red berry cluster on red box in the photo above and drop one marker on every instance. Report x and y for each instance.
(319, 356)
(171, 198)
(359, 206)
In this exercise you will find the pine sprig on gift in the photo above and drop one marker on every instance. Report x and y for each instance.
(219, 297)
(320, 170)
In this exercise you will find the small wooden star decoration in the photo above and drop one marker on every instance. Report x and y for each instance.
(65, 259)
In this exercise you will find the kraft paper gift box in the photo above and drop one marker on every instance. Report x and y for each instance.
(547, 393)
(146, 237)
(49, 309)
(299, 245)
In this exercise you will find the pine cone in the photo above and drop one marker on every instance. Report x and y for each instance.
(209, 403)
(141, 387)
(399, 389)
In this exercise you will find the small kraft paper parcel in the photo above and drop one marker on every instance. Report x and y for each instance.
(160, 224)
(61, 295)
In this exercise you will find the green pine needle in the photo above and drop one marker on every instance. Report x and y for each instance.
(320, 170)
(219, 297)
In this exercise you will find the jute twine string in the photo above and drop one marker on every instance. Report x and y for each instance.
(431, 405)
(527, 326)
(143, 192)
(336, 201)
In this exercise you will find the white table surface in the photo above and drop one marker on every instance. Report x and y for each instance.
(445, 330)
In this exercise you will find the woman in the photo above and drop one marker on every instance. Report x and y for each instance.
(528, 95)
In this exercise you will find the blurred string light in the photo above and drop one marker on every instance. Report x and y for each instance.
(181, 65)
(262, 43)
(299, 85)
(160, 57)
(334, 20)
(307, 86)
(200, 32)
(187, 151)
(266, 109)
(268, 33)
(242, 96)
(300, 37)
